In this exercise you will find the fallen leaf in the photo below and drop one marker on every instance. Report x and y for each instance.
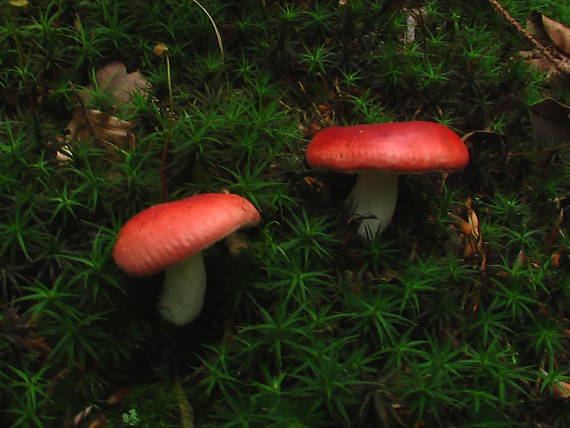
(100, 421)
(473, 247)
(561, 389)
(550, 120)
(89, 418)
(22, 330)
(558, 33)
(38, 344)
(118, 395)
(555, 40)
(555, 258)
(314, 183)
(119, 85)
(78, 418)
(104, 127)
(87, 123)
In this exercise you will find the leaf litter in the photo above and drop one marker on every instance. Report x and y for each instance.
(119, 89)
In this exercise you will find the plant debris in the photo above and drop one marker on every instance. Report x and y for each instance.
(555, 38)
(119, 88)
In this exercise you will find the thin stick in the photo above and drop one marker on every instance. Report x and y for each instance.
(537, 152)
(560, 65)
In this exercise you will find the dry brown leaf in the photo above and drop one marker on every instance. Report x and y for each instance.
(555, 259)
(118, 395)
(87, 123)
(555, 39)
(120, 86)
(91, 416)
(550, 120)
(99, 422)
(78, 418)
(474, 244)
(561, 389)
(314, 183)
(558, 33)
(473, 239)
(37, 344)
(103, 127)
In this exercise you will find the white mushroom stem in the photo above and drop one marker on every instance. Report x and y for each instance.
(184, 288)
(373, 200)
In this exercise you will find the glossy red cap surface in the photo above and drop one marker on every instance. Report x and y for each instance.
(400, 147)
(168, 233)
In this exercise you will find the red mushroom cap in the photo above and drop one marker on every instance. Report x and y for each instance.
(400, 147)
(168, 233)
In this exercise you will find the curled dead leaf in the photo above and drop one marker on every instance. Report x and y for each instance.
(104, 127)
(473, 247)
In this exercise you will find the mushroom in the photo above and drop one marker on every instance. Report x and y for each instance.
(379, 153)
(171, 236)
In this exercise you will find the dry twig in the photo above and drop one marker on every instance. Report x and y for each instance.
(562, 66)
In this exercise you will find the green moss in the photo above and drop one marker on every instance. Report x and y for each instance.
(310, 327)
